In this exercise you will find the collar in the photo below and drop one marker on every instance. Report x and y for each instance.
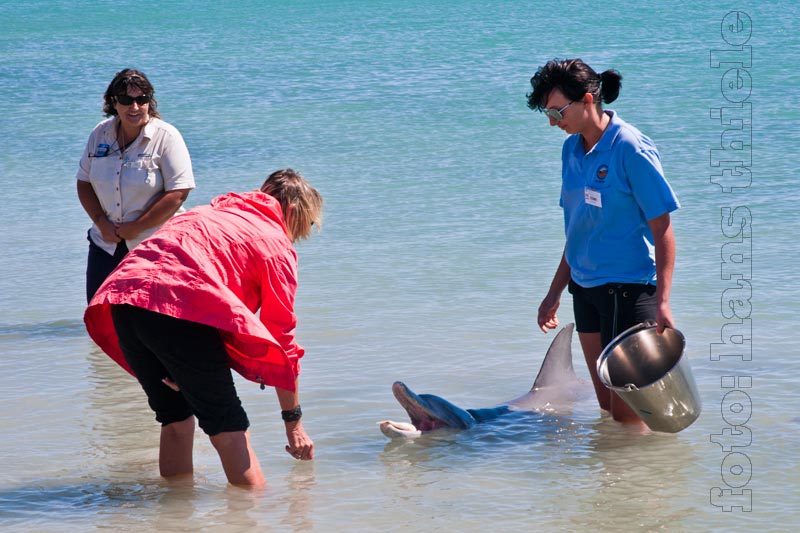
(149, 129)
(612, 130)
(260, 202)
(147, 132)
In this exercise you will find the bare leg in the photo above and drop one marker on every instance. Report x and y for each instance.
(175, 452)
(622, 412)
(592, 347)
(608, 400)
(238, 459)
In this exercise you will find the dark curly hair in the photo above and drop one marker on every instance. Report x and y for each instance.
(119, 85)
(574, 78)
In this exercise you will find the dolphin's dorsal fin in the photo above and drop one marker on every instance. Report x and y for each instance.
(557, 365)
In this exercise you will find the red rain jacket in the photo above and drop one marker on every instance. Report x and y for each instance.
(217, 265)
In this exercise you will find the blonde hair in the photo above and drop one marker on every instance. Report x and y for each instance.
(300, 202)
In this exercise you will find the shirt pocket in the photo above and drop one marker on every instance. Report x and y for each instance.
(142, 174)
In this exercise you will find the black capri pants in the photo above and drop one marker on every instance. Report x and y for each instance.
(158, 346)
(612, 308)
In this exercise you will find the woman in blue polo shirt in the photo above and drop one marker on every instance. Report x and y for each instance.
(620, 248)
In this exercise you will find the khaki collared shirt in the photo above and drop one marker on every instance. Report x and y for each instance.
(128, 182)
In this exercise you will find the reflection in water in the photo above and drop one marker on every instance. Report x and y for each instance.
(298, 500)
(479, 473)
(177, 509)
(620, 478)
(634, 482)
(123, 433)
(503, 471)
(187, 506)
(123, 437)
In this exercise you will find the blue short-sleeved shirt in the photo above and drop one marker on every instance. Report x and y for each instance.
(608, 196)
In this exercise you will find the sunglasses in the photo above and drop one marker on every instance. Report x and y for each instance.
(557, 114)
(124, 99)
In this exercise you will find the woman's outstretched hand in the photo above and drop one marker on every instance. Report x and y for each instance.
(300, 446)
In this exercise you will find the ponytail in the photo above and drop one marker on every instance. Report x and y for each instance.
(610, 84)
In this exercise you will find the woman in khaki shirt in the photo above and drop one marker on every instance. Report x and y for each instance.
(134, 174)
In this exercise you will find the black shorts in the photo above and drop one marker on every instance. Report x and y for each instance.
(612, 308)
(157, 346)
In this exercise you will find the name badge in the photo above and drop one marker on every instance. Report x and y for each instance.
(592, 197)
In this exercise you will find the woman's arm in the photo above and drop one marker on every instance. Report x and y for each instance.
(159, 212)
(300, 444)
(547, 318)
(91, 204)
(664, 240)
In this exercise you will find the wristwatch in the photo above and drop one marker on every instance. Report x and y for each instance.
(292, 415)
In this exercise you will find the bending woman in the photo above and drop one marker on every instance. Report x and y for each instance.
(180, 312)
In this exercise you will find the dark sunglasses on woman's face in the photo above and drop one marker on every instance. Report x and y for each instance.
(124, 99)
(557, 114)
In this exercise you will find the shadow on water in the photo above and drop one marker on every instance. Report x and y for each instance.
(66, 504)
(71, 500)
(165, 505)
(42, 330)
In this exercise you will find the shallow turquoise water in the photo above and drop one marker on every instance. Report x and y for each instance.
(442, 233)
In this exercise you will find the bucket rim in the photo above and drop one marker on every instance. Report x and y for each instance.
(602, 367)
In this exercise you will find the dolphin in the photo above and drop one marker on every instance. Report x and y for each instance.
(556, 386)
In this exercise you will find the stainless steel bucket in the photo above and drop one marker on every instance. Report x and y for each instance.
(651, 373)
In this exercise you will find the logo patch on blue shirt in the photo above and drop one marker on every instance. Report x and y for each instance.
(602, 172)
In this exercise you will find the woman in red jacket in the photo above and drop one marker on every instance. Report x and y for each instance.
(180, 312)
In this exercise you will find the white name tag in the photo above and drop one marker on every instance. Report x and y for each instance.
(592, 197)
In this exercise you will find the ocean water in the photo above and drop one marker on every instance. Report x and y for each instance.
(441, 236)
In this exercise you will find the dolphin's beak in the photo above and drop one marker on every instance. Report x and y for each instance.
(428, 412)
(422, 418)
(395, 430)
